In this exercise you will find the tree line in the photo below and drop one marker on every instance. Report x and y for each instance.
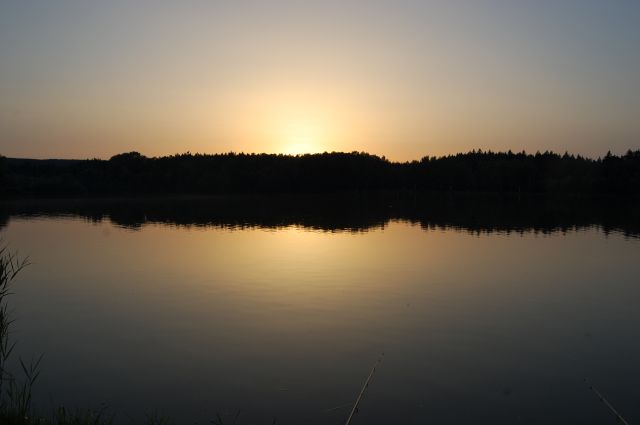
(237, 173)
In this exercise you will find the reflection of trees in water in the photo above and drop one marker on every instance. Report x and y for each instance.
(488, 213)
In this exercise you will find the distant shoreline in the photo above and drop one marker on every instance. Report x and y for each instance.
(191, 175)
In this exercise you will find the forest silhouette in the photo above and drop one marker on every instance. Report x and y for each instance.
(240, 173)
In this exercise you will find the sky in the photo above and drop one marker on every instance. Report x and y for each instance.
(403, 79)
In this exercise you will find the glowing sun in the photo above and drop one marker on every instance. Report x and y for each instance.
(302, 137)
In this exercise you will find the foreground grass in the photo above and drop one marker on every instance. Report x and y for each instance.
(62, 416)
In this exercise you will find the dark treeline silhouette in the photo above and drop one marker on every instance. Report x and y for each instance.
(347, 212)
(232, 173)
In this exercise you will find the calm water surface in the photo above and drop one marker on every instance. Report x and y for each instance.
(286, 321)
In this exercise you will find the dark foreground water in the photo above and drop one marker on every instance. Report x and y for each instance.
(486, 312)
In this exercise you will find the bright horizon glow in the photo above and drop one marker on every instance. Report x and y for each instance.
(301, 138)
(295, 130)
(401, 79)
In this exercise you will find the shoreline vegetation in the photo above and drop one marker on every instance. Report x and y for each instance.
(133, 174)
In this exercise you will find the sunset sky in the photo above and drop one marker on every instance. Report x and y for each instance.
(404, 79)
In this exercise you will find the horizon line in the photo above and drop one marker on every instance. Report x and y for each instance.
(353, 152)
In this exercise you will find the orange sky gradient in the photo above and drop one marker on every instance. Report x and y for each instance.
(401, 79)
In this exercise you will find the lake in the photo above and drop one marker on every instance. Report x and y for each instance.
(486, 312)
